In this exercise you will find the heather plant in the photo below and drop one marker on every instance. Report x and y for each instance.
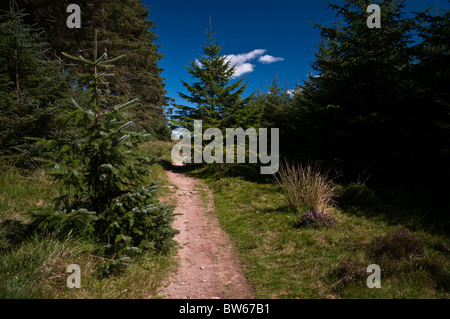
(348, 272)
(315, 219)
(397, 252)
(396, 245)
(305, 187)
(101, 177)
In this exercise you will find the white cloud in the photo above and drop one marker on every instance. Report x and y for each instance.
(242, 64)
(241, 61)
(266, 59)
(244, 57)
(243, 69)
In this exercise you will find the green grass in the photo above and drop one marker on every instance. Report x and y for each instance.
(282, 261)
(22, 191)
(35, 267)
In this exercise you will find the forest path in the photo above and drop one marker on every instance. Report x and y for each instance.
(208, 264)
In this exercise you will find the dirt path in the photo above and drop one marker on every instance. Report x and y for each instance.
(208, 265)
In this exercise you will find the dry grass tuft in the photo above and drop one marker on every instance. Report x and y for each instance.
(306, 188)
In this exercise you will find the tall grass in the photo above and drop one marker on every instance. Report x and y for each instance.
(37, 269)
(305, 187)
(21, 192)
(282, 261)
(36, 266)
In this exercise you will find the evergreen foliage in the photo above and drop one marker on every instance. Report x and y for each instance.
(101, 176)
(356, 108)
(123, 28)
(432, 98)
(32, 88)
(218, 100)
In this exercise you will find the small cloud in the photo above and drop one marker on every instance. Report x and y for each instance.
(241, 61)
(245, 57)
(243, 69)
(267, 59)
(242, 64)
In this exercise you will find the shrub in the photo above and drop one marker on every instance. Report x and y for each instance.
(305, 187)
(356, 195)
(396, 245)
(349, 273)
(315, 219)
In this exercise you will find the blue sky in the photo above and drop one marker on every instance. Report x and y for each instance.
(267, 38)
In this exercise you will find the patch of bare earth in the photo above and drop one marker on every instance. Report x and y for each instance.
(208, 265)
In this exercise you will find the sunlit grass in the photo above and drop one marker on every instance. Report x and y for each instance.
(282, 261)
(21, 192)
(35, 267)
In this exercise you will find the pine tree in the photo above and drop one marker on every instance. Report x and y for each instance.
(32, 89)
(432, 95)
(356, 103)
(219, 102)
(101, 176)
(124, 28)
(276, 103)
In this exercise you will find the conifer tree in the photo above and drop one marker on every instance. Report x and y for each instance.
(124, 28)
(101, 175)
(432, 95)
(353, 109)
(276, 103)
(218, 100)
(32, 89)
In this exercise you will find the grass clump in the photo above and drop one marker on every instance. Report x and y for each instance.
(37, 269)
(305, 187)
(22, 190)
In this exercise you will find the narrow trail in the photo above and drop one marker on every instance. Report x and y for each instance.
(208, 265)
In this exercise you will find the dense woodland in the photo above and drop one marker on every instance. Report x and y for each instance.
(375, 112)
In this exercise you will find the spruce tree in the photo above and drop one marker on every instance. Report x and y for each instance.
(32, 88)
(101, 176)
(431, 98)
(219, 102)
(276, 103)
(124, 28)
(354, 107)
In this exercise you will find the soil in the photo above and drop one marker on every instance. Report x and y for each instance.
(208, 265)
